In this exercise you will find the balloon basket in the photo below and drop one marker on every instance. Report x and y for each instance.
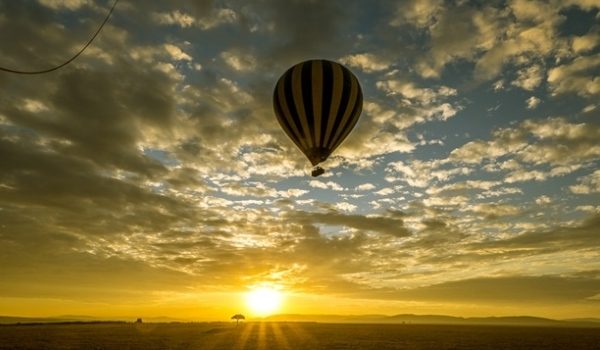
(317, 171)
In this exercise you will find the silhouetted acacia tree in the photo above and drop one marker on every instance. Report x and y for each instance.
(237, 318)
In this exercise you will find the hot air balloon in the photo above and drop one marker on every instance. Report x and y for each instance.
(317, 103)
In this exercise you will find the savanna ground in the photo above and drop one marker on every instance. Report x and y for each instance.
(267, 335)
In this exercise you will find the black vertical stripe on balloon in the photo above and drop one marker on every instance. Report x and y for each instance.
(289, 98)
(336, 98)
(317, 98)
(306, 89)
(280, 89)
(283, 120)
(347, 115)
(353, 118)
(299, 102)
(346, 84)
(327, 93)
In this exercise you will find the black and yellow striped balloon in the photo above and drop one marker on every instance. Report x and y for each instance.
(317, 103)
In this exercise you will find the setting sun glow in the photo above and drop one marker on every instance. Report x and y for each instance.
(263, 301)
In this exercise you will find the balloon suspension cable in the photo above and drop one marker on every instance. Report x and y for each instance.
(317, 170)
(51, 69)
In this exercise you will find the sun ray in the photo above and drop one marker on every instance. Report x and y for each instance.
(262, 335)
(280, 337)
(300, 335)
(244, 335)
(216, 341)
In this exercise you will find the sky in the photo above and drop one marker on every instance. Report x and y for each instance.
(150, 177)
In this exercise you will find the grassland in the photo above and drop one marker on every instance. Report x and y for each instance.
(281, 335)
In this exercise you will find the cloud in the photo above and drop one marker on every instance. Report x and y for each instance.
(586, 43)
(384, 191)
(533, 102)
(420, 173)
(588, 109)
(529, 78)
(493, 211)
(541, 200)
(64, 4)
(459, 33)
(461, 187)
(368, 62)
(176, 17)
(132, 158)
(346, 207)
(365, 187)
(413, 94)
(33, 106)
(491, 36)
(239, 61)
(557, 142)
(176, 53)
(587, 184)
(307, 36)
(576, 77)
(533, 34)
(325, 185)
(383, 224)
(208, 20)
(580, 236)
(511, 289)
(418, 13)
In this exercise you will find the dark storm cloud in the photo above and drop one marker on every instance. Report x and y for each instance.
(302, 258)
(40, 46)
(41, 178)
(387, 225)
(100, 114)
(514, 289)
(582, 236)
(81, 276)
(308, 27)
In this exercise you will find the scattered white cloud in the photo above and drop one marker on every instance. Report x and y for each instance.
(587, 184)
(586, 43)
(420, 13)
(385, 191)
(64, 4)
(216, 18)
(589, 108)
(533, 102)
(498, 85)
(365, 187)
(576, 77)
(33, 106)
(558, 142)
(346, 207)
(414, 94)
(176, 53)
(541, 200)
(239, 61)
(492, 210)
(529, 78)
(325, 185)
(174, 18)
(367, 62)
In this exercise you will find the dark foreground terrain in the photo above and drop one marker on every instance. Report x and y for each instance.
(276, 335)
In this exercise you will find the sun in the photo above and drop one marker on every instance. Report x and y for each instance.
(264, 301)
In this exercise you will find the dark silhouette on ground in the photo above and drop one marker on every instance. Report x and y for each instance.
(294, 335)
(379, 319)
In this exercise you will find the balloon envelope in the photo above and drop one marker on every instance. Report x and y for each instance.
(317, 103)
